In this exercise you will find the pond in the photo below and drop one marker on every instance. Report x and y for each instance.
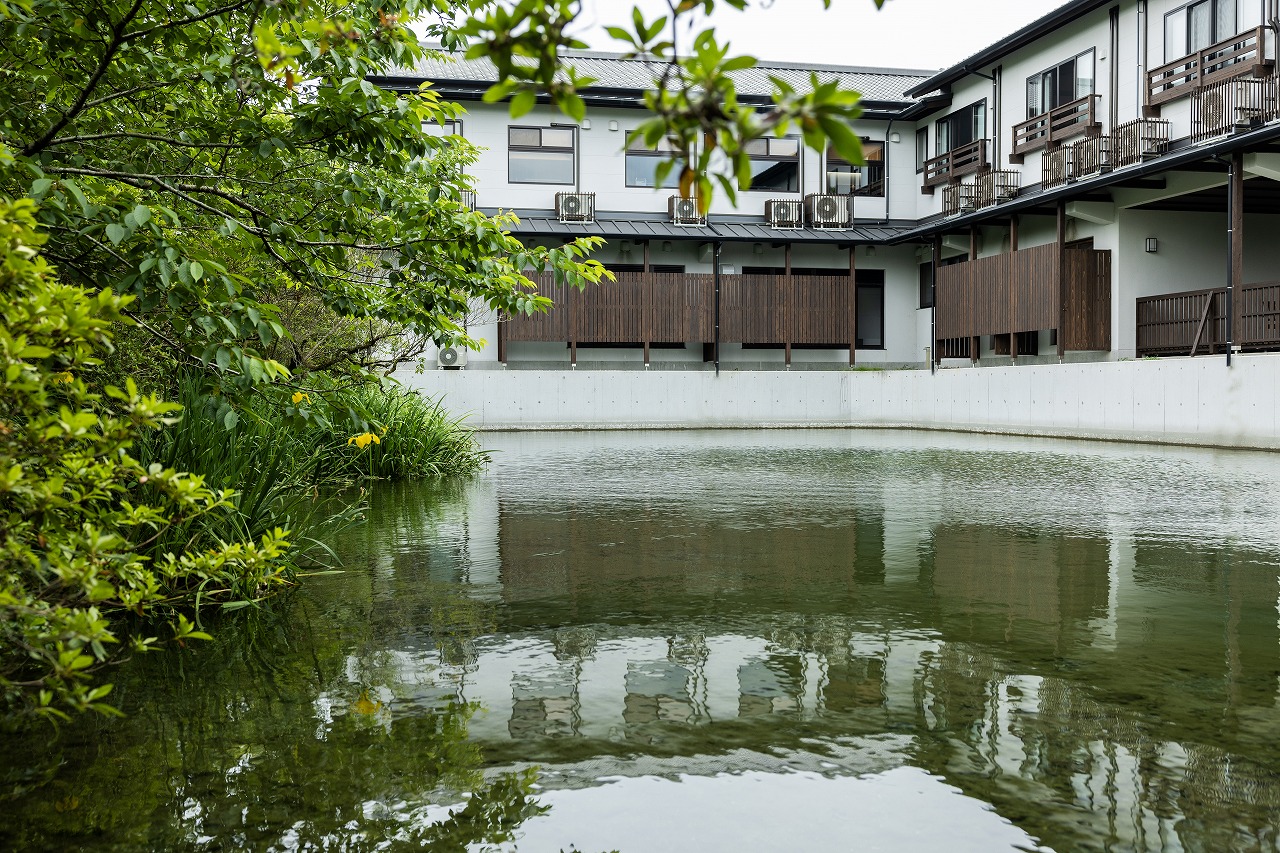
(729, 641)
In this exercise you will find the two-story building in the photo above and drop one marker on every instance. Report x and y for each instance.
(1100, 184)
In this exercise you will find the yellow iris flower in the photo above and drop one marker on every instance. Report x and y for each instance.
(363, 440)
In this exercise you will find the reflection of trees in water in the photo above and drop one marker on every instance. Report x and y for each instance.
(276, 736)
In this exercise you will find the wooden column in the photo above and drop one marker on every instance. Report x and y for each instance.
(502, 341)
(646, 303)
(1013, 233)
(853, 304)
(1234, 329)
(572, 300)
(974, 341)
(1062, 302)
(933, 312)
(788, 319)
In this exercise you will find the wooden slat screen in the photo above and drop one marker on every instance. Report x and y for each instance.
(1167, 324)
(1017, 291)
(1086, 296)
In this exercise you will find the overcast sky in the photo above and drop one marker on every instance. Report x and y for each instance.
(927, 34)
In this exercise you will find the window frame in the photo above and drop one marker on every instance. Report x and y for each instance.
(922, 148)
(797, 158)
(643, 152)
(946, 120)
(1215, 37)
(571, 151)
(873, 280)
(864, 170)
(1057, 67)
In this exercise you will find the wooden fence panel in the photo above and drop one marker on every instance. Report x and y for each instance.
(1258, 316)
(821, 310)
(552, 325)
(1086, 296)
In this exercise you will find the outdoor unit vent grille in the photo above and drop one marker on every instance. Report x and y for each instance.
(784, 213)
(828, 211)
(1055, 167)
(468, 198)
(996, 186)
(685, 211)
(576, 207)
(960, 198)
(1138, 140)
(1091, 156)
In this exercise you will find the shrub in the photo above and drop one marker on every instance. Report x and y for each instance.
(79, 515)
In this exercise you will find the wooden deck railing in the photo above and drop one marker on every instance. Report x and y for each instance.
(1195, 321)
(1239, 56)
(669, 308)
(965, 160)
(1048, 130)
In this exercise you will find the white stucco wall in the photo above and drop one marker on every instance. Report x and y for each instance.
(1176, 400)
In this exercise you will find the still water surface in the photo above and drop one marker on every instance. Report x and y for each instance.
(733, 641)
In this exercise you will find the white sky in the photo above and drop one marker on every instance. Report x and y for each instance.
(927, 34)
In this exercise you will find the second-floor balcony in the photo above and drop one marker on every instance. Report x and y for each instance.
(1051, 129)
(950, 167)
(1244, 54)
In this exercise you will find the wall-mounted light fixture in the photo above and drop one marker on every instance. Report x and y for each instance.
(1153, 245)
(586, 124)
(757, 248)
(895, 137)
(613, 125)
(666, 245)
(624, 248)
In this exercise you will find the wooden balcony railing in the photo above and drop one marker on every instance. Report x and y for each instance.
(1195, 321)
(1046, 287)
(1239, 56)
(666, 308)
(1232, 105)
(950, 167)
(1048, 130)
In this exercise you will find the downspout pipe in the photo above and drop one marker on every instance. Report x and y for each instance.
(715, 259)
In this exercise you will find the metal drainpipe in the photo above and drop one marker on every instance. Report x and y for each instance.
(888, 134)
(1231, 248)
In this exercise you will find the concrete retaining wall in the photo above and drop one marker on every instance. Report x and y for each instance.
(1179, 400)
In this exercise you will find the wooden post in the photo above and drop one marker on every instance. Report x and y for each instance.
(973, 256)
(572, 304)
(1062, 263)
(933, 311)
(1237, 248)
(853, 304)
(788, 322)
(646, 303)
(502, 342)
(1013, 233)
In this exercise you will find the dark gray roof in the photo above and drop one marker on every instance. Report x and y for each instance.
(730, 232)
(1042, 26)
(612, 72)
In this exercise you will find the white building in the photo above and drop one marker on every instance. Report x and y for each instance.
(1100, 184)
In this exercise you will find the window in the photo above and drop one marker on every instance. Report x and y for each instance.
(1059, 85)
(452, 127)
(870, 309)
(775, 164)
(962, 127)
(922, 148)
(1198, 25)
(867, 179)
(642, 164)
(540, 155)
(926, 284)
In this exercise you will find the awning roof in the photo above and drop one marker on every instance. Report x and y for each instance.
(729, 232)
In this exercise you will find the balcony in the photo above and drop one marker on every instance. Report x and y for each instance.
(1241, 55)
(950, 167)
(1195, 321)
(1051, 129)
(990, 188)
(642, 308)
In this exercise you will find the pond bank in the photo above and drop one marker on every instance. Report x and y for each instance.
(1191, 401)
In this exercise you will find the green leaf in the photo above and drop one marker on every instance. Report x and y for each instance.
(116, 233)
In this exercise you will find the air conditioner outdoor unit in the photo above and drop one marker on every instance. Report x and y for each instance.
(1055, 167)
(451, 358)
(1091, 157)
(576, 207)
(685, 211)
(828, 211)
(996, 186)
(784, 213)
(1214, 104)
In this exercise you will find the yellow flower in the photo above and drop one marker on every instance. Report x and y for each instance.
(363, 440)
(298, 397)
(63, 378)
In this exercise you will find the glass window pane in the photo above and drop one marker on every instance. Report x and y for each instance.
(784, 147)
(1066, 83)
(1200, 25)
(525, 136)
(775, 175)
(540, 167)
(1034, 107)
(979, 121)
(944, 137)
(642, 171)
(1175, 35)
(1225, 23)
(757, 147)
(922, 147)
(557, 137)
(842, 178)
(1084, 74)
